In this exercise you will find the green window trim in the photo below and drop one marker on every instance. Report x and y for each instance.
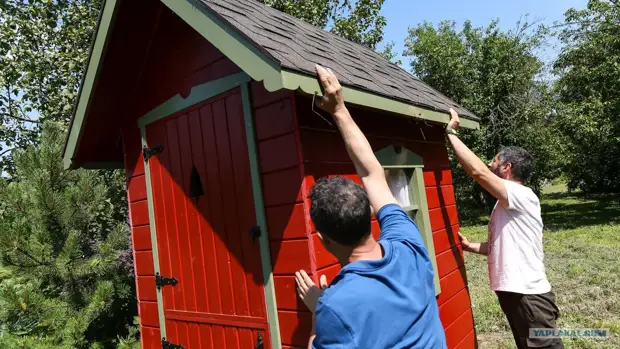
(402, 158)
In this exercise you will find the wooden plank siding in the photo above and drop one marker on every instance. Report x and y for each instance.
(288, 227)
(324, 154)
(179, 58)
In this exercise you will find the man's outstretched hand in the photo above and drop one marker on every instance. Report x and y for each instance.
(307, 289)
(333, 99)
(454, 120)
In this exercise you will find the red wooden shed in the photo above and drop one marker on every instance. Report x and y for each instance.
(207, 105)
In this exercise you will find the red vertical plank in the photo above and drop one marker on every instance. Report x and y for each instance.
(151, 337)
(245, 207)
(206, 337)
(156, 135)
(245, 338)
(195, 339)
(183, 334)
(219, 337)
(180, 215)
(172, 333)
(228, 199)
(214, 195)
(232, 341)
(193, 230)
(210, 281)
(169, 240)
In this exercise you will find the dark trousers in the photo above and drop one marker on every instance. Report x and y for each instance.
(525, 311)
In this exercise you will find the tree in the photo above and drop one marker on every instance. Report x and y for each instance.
(43, 46)
(65, 278)
(359, 21)
(493, 74)
(588, 86)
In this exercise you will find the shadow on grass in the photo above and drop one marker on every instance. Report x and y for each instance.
(570, 211)
(561, 211)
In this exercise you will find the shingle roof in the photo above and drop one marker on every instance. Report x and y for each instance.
(298, 46)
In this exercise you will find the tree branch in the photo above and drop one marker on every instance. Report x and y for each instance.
(6, 151)
(19, 118)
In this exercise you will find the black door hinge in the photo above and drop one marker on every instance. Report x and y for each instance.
(148, 152)
(259, 341)
(255, 232)
(161, 281)
(167, 345)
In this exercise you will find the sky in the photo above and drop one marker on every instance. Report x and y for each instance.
(402, 14)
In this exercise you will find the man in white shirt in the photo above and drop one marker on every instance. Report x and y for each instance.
(514, 247)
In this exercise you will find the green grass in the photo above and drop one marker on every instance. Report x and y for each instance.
(582, 257)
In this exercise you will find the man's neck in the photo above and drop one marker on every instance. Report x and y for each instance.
(368, 250)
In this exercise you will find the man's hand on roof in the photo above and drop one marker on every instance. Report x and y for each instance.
(333, 99)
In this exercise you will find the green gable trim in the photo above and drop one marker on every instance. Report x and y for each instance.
(226, 39)
(262, 67)
(261, 219)
(390, 157)
(153, 231)
(108, 14)
(198, 94)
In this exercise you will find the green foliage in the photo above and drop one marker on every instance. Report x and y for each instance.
(358, 21)
(493, 74)
(66, 277)
(43, 46)
(589, 94)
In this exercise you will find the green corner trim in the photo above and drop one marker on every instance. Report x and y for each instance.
(198, 94)
(153, 230)
(108, 14)
(388, 157)
(259, 207)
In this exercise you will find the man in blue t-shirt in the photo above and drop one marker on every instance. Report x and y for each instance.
(384, 296)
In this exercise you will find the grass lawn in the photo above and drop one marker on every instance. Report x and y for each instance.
(582, 256)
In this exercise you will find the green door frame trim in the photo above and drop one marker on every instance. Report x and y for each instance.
(153, 231)
(261, 219)
(403, 158)
(104, 26)
(177, 103)
(198, 94)
(263, 67)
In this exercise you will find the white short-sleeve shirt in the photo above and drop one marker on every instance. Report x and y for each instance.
(515, 243)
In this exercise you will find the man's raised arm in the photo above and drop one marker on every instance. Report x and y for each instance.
(360, 152)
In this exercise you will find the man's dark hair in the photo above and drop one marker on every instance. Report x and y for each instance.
(521, 160)
(340, 210)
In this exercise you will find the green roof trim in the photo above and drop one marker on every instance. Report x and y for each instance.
(108, 14)
(262, 67)
(198, 94)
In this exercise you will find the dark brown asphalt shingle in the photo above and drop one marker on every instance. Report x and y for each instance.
(298, 46)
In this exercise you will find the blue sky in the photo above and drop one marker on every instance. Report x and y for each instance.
(402, 14)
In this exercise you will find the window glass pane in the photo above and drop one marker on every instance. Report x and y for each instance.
(399, 185)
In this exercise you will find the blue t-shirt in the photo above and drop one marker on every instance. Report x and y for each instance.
(386, 303)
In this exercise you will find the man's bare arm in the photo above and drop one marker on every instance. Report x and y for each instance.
(474, 167)
(366, 164)
(474, 247)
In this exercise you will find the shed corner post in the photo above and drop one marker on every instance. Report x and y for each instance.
(259, 208)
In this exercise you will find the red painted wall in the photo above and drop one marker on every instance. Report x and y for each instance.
(324, 154)
(179, 59)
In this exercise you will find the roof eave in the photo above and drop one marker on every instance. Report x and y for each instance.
(241, 51)
(97, 51)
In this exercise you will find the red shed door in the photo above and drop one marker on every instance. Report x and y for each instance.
(204, 210)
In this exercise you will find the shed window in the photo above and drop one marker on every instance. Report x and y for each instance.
(403, 172)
